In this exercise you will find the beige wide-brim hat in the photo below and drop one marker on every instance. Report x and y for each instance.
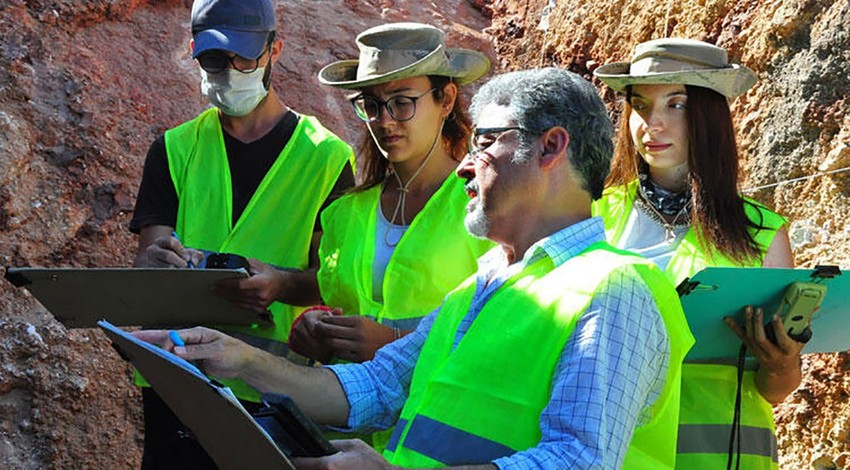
(677, 60)
(403, 50)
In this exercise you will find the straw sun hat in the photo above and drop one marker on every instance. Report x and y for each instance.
(403, 50)
(676, 60)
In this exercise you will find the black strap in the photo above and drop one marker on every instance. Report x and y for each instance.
(735, 435)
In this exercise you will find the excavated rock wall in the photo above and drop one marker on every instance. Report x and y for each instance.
(85, 86)
(793, 124)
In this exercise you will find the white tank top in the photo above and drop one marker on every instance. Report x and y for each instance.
(387, 236)
(646, 237)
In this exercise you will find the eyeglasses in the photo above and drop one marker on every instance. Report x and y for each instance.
(214, 62)
(483, 137)
(400, 108)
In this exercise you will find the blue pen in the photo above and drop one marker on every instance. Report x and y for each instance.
(176, 339)
(189, 263)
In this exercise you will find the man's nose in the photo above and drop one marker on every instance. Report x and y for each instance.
(466, 168)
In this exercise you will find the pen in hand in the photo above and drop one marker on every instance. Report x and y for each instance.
(176, 339)
(189, 263)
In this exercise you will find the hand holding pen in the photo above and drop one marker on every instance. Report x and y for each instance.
(193, 258)
(215, 353)
(166, 251)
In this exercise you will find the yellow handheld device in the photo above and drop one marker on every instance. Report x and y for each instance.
(800, 301)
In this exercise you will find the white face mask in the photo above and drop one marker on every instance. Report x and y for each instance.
(233, 92)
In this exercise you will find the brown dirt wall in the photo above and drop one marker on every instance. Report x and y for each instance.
(794, 124)
(85, 86)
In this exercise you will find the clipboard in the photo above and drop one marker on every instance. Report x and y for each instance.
(713, 293)
(232, 438)
(79, 297)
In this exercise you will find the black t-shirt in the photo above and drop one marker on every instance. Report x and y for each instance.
(157, 201)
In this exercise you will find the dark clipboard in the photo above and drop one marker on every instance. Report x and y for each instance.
(79, 297)
(232, 438)
(714, 293)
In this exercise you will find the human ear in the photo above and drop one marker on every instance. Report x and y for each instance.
(555, 142)
(449, 97)
(276, 49)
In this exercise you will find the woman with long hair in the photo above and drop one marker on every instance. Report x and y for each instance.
(673, 196)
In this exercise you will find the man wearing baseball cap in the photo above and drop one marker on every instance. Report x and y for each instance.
(246, 176)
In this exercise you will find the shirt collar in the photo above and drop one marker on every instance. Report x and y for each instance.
(567, 242)
(560, 246)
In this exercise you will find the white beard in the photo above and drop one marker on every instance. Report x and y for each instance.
(476, 222)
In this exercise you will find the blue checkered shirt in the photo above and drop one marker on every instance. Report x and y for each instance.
(610, 371)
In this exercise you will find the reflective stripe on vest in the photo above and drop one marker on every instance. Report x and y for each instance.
(714, 439)
(708, 398)
(447, 444)
(708, 390)
(492, 408)
(434, 255)
(276, 225)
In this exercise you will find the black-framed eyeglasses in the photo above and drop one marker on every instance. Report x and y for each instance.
(216, 61)
(401, 108)
(483, 137)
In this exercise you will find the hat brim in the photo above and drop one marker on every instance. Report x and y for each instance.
(729, 82)
(247, 44)
(463, 65)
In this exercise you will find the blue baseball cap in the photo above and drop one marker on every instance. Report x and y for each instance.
(238, 26)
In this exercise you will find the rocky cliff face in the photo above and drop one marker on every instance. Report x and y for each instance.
(85, 87)
(793, 129)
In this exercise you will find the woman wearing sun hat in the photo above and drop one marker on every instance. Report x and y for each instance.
(396, 245)
(673, 196)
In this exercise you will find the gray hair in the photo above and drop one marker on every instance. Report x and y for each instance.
(540, 99)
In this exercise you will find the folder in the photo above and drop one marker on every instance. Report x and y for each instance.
(79, 297)
(231, 437)
(714, 293)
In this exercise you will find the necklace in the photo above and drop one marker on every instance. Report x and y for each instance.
(402, 189)
(669, 227)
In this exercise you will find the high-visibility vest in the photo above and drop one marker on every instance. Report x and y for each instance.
(708, 390)
(434, 255)
(275, 227)
(483, 400)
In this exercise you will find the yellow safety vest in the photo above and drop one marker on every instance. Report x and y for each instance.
(434, 255)
(483, 400)
(276, 226)
(708, 390)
